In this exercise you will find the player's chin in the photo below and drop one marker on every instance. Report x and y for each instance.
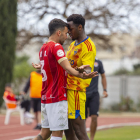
(73, 39)
(62, 42)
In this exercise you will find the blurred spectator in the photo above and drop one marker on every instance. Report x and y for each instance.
(14, 101)
(35, 84)
(93, 97)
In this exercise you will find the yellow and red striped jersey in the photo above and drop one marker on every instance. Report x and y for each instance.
(80, 54)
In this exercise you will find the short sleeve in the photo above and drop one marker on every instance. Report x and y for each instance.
(101, 68)
(59, 53)
(88, 54)
(87, 59)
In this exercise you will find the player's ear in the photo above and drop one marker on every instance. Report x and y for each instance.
(58, 32)
(80, 27)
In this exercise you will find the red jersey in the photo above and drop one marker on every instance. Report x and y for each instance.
(10, 97)
(53, 75)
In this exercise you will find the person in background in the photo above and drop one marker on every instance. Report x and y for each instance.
(15, 101)
(35, 84)
(92, 97)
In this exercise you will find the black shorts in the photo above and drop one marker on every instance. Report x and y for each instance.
(92, 104)
(26, 105)
(36, 104)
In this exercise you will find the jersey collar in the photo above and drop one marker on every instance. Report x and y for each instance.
(81, 41)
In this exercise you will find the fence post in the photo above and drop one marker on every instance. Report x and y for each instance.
(123, 86)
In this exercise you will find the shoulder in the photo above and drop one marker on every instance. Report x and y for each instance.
(71, 45)
(56, 48)
(41, 49)
(50, 44)
(57, 44)
(89, 39)
(98, 60)
(88, 45)
(5, 93)
(32, 73)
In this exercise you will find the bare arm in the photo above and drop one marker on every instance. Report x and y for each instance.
(82, 69)
(104, 84)
(66, 65)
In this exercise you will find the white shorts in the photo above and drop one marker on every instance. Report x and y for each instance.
(55, 116)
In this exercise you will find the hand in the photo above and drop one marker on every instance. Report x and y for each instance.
(21, 92)
(36, 66)
(83, 68)
(105, 94)
(84, 75)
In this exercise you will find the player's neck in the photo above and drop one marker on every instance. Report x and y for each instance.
(81, 37)
(50, 41)
(53, 39)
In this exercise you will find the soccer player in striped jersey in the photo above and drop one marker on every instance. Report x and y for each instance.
(54, 95)
(82, 51)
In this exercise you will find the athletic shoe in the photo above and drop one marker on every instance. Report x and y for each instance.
(28, 120)
(28, 115)
(37, 127)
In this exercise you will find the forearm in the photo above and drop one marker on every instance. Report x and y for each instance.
(26, 88)
(104, 83)
(72, 71)
(66, 65)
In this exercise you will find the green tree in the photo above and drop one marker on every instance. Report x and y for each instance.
(8, 32)
(22, 70)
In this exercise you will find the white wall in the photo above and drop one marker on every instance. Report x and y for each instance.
(111, 65)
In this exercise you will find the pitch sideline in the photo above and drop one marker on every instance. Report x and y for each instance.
(98, 128)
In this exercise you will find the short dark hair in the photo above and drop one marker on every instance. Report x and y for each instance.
(56, 24)
(8, 85)
(77, 19)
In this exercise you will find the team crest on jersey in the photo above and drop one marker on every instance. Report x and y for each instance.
(96, 64)
(71, 114)
(75, 51)
(60, 53)
(43, 97)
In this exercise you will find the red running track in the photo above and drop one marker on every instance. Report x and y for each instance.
(14, 130)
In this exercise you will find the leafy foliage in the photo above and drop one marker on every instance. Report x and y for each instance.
(102, 18)
(136, 66)
(8, 32)
(123, 71)
(126, 104)
(22, 70)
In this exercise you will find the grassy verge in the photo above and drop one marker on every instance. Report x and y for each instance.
(122, 133)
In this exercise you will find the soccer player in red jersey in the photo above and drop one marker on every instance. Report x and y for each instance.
(54, 65)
